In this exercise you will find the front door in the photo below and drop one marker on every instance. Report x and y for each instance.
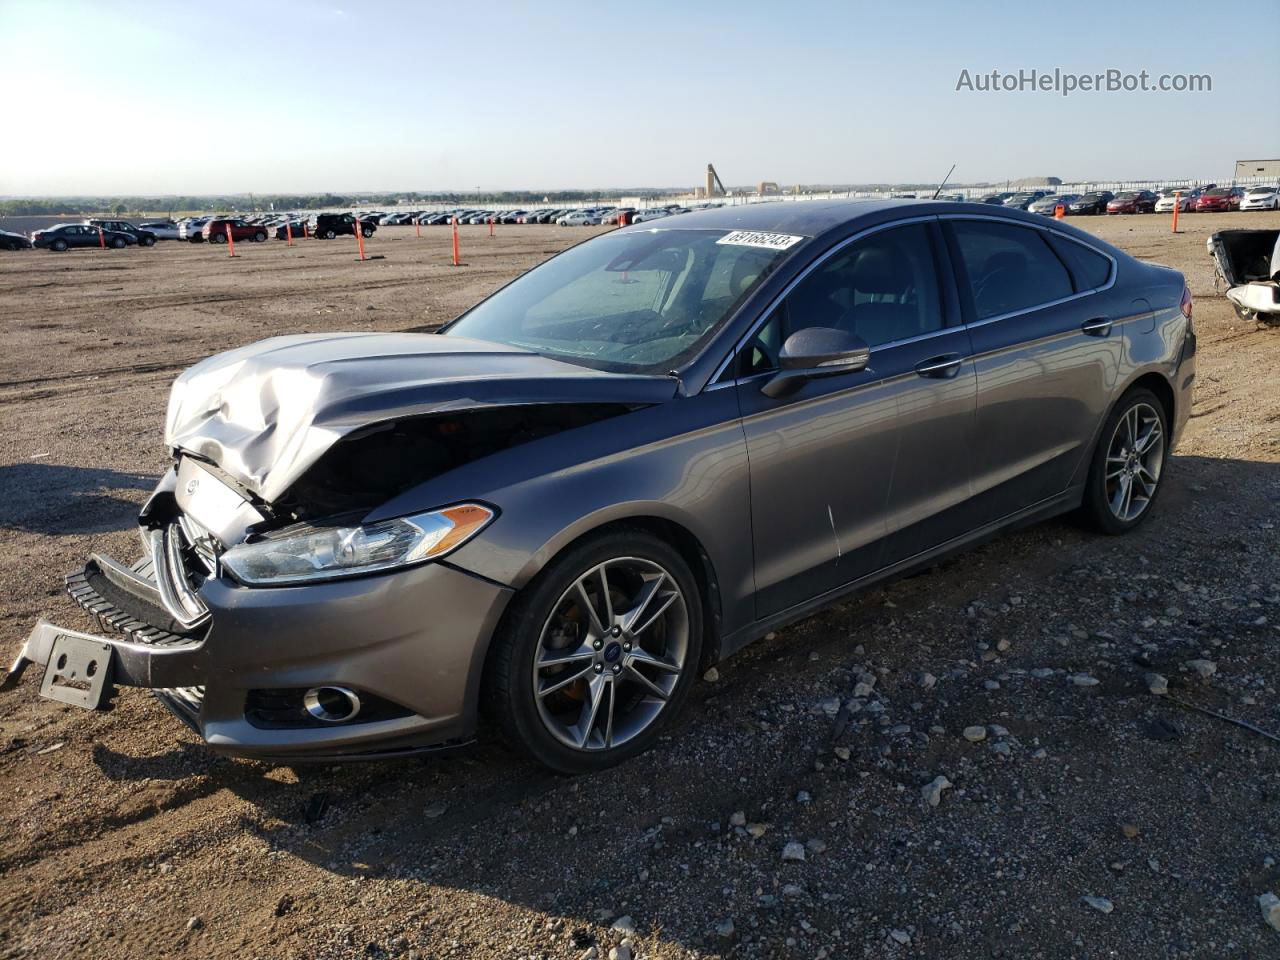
(829, 504)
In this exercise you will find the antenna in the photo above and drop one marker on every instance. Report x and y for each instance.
(944, 181)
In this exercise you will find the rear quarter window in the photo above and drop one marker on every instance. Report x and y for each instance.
(1089, 267)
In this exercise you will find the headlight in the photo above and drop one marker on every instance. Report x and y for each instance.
(327, 553)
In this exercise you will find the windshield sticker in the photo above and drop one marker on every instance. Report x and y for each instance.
(754, 238)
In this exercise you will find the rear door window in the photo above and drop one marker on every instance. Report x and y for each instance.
(1010, 268)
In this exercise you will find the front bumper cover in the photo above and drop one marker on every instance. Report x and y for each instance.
(417, 638)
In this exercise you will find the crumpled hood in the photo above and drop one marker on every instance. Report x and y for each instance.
(266, 412)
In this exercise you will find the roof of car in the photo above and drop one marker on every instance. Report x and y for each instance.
(809, 217)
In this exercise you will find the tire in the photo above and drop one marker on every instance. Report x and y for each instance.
(148, 241)
(546, 618)
(1244, 313)
(329, 234)
(218, 238)
(59, 245)
(1106, 506)
(259, 237)
(367, 232)
(118, 243)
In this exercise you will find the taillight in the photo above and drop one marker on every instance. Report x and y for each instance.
(1186, 302)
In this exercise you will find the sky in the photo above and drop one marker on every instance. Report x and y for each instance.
(226, 96)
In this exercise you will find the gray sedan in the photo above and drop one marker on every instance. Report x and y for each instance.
(618, 470)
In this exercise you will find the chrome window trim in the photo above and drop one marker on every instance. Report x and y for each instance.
(1111, 279)
(714, 381)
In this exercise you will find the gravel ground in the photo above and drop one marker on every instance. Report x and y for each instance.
(968, 763)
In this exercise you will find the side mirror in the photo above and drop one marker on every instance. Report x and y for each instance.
(815, 353)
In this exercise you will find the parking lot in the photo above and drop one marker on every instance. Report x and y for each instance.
(123, 837)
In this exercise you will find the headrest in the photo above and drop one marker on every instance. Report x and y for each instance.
(877, 271)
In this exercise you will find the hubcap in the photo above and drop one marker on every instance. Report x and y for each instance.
(611, 654)
(1135, 458)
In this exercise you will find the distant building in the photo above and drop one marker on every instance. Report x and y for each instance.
(1257, 168)
(1036, 182)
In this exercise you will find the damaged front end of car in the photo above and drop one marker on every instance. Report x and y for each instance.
(271, 610)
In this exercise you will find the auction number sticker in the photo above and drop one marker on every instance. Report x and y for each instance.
(755, 238)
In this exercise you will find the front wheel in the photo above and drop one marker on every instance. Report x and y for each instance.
(1128, 463)
(329, 234)
(259, 237)
(367, 232)
(118, 243)
(148, 241)
(598, 654)
(218, 238)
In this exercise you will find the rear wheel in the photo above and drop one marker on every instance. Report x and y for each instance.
(598, 654)
(1128, 464)
(218, 238)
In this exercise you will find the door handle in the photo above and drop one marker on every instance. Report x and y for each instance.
(1097, 327)
(945, 366)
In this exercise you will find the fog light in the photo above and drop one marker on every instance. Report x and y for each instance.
(332, 704)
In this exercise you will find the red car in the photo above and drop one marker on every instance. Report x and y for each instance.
(215, 231)
(1133, 201)
(1220, 199)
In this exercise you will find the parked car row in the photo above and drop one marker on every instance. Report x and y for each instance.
(324, 226)
(1211, 198)
(96, 231)
(564, 216)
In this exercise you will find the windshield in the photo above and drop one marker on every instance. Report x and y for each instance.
(642, 302)
(1220, 192)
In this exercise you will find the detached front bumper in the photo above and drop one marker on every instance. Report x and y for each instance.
(1259, 296)
(412, 643)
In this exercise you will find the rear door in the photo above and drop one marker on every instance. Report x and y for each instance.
(1045, 356)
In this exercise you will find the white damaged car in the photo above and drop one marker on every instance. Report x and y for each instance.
(1248, 263)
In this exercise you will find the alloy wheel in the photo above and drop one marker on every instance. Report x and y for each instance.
(1135, 458)
(611, 654)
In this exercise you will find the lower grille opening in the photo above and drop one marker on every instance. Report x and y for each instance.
(287, 709)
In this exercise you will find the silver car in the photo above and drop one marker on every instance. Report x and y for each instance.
(618, 470)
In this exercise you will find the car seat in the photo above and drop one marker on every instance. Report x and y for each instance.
(881, 278)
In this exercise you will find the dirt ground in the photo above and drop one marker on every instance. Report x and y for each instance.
(123, 837)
